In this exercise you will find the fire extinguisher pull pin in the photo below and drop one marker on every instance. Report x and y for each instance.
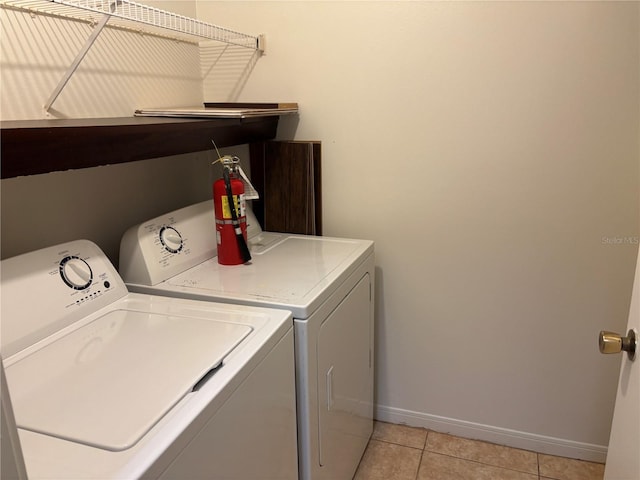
(231, 163)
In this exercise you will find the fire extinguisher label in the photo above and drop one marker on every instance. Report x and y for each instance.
(239, 203)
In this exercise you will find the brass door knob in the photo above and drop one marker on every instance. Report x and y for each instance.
(610, 342)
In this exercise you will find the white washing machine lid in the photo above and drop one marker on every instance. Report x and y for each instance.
(108, 382)
(296, 273)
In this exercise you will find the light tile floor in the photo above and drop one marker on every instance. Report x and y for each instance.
(398, 452)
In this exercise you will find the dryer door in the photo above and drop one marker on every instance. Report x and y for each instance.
(345, 383)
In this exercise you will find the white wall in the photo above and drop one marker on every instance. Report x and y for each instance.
(122, 71)
(491, 151)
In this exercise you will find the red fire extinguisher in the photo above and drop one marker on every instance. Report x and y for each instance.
(229, 207)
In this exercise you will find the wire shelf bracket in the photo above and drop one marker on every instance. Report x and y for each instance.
(129, 15)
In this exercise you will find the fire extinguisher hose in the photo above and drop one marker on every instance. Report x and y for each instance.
(242, 244)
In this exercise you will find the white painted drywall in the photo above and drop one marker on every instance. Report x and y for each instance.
(489, 148)
(122, 71)
(491, 151)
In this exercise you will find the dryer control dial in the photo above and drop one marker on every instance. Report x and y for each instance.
(76, 273)
(171, 239)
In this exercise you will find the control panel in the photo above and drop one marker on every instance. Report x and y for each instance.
(45, 290)
(85, 274)
(162, 247)
(165, 246)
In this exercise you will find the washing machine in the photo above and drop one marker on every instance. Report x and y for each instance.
(328, 285)
(109, 384)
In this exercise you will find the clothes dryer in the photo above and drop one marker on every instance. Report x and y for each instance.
(110, 384)
(328, 284)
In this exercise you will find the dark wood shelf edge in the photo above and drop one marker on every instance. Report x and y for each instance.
(33, 147)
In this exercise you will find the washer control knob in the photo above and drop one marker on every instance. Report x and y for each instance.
(76, 273)
(171, 239)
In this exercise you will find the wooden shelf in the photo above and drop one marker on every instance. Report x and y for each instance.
(39, 146)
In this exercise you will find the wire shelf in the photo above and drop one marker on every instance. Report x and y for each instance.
(136, 16)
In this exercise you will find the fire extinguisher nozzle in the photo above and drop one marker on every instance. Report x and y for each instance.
(244, 250)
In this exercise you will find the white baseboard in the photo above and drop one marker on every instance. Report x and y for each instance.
(502, 436)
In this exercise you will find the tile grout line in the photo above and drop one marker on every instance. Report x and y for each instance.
(479, 462)
(424, 448)
(398, 444)
(476, 461)
(486, 461)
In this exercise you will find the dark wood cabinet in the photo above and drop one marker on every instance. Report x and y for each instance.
(287, 175)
